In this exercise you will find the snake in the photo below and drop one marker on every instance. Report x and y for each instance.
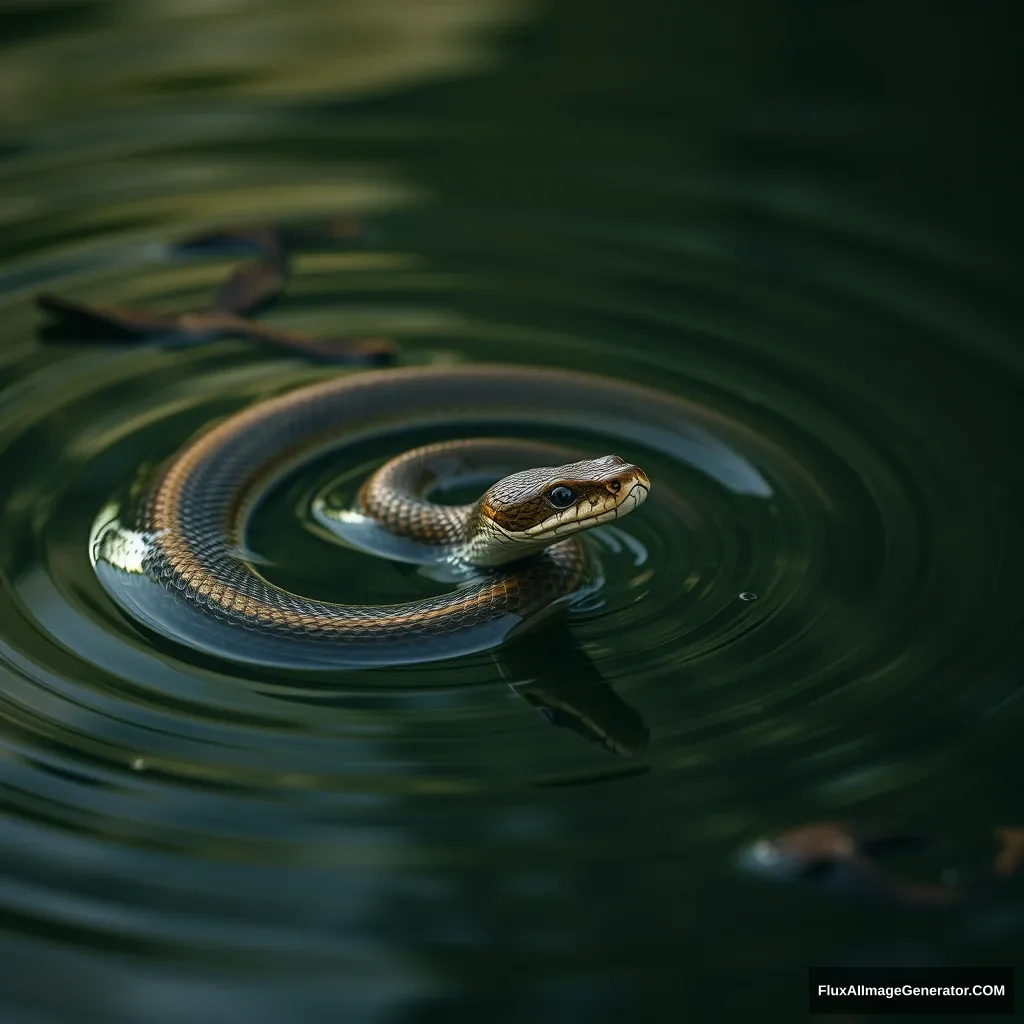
(176, 560)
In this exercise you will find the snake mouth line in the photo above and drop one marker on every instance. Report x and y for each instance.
(632, 499)
(629, 503)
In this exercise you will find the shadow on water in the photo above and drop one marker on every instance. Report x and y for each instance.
(801, 219)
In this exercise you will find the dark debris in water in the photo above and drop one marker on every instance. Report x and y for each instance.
(249, 288)
(852, 856)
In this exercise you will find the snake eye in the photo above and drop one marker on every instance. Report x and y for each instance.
(562, 497)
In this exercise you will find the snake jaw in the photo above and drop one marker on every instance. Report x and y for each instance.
(596, 506)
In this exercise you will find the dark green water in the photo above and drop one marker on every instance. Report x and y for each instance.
(804, 218)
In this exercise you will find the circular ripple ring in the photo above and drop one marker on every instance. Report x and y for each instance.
(176, 565)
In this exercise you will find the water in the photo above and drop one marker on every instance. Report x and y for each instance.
(803, 220)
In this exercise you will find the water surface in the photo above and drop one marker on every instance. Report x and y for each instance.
(804, 222)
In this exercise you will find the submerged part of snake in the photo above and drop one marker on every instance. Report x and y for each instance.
(175, 560)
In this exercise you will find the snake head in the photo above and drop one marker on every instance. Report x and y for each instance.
(528, 511)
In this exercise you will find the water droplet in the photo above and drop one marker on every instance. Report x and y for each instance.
(138, 764)
(748, 595)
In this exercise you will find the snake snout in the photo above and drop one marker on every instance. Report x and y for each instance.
(631, 481)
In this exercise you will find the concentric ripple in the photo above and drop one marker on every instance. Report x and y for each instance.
(816, 610)
(811, 560)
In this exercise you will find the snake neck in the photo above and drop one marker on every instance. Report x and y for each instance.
(486, 545)
(462, 532)
(396, 496)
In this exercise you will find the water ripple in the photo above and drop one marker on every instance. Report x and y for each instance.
(826, 572)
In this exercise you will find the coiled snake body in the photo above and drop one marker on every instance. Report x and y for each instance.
(177, 562)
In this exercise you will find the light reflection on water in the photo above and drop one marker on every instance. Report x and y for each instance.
(791, 239)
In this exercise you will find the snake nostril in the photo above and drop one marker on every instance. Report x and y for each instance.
(615, 486)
